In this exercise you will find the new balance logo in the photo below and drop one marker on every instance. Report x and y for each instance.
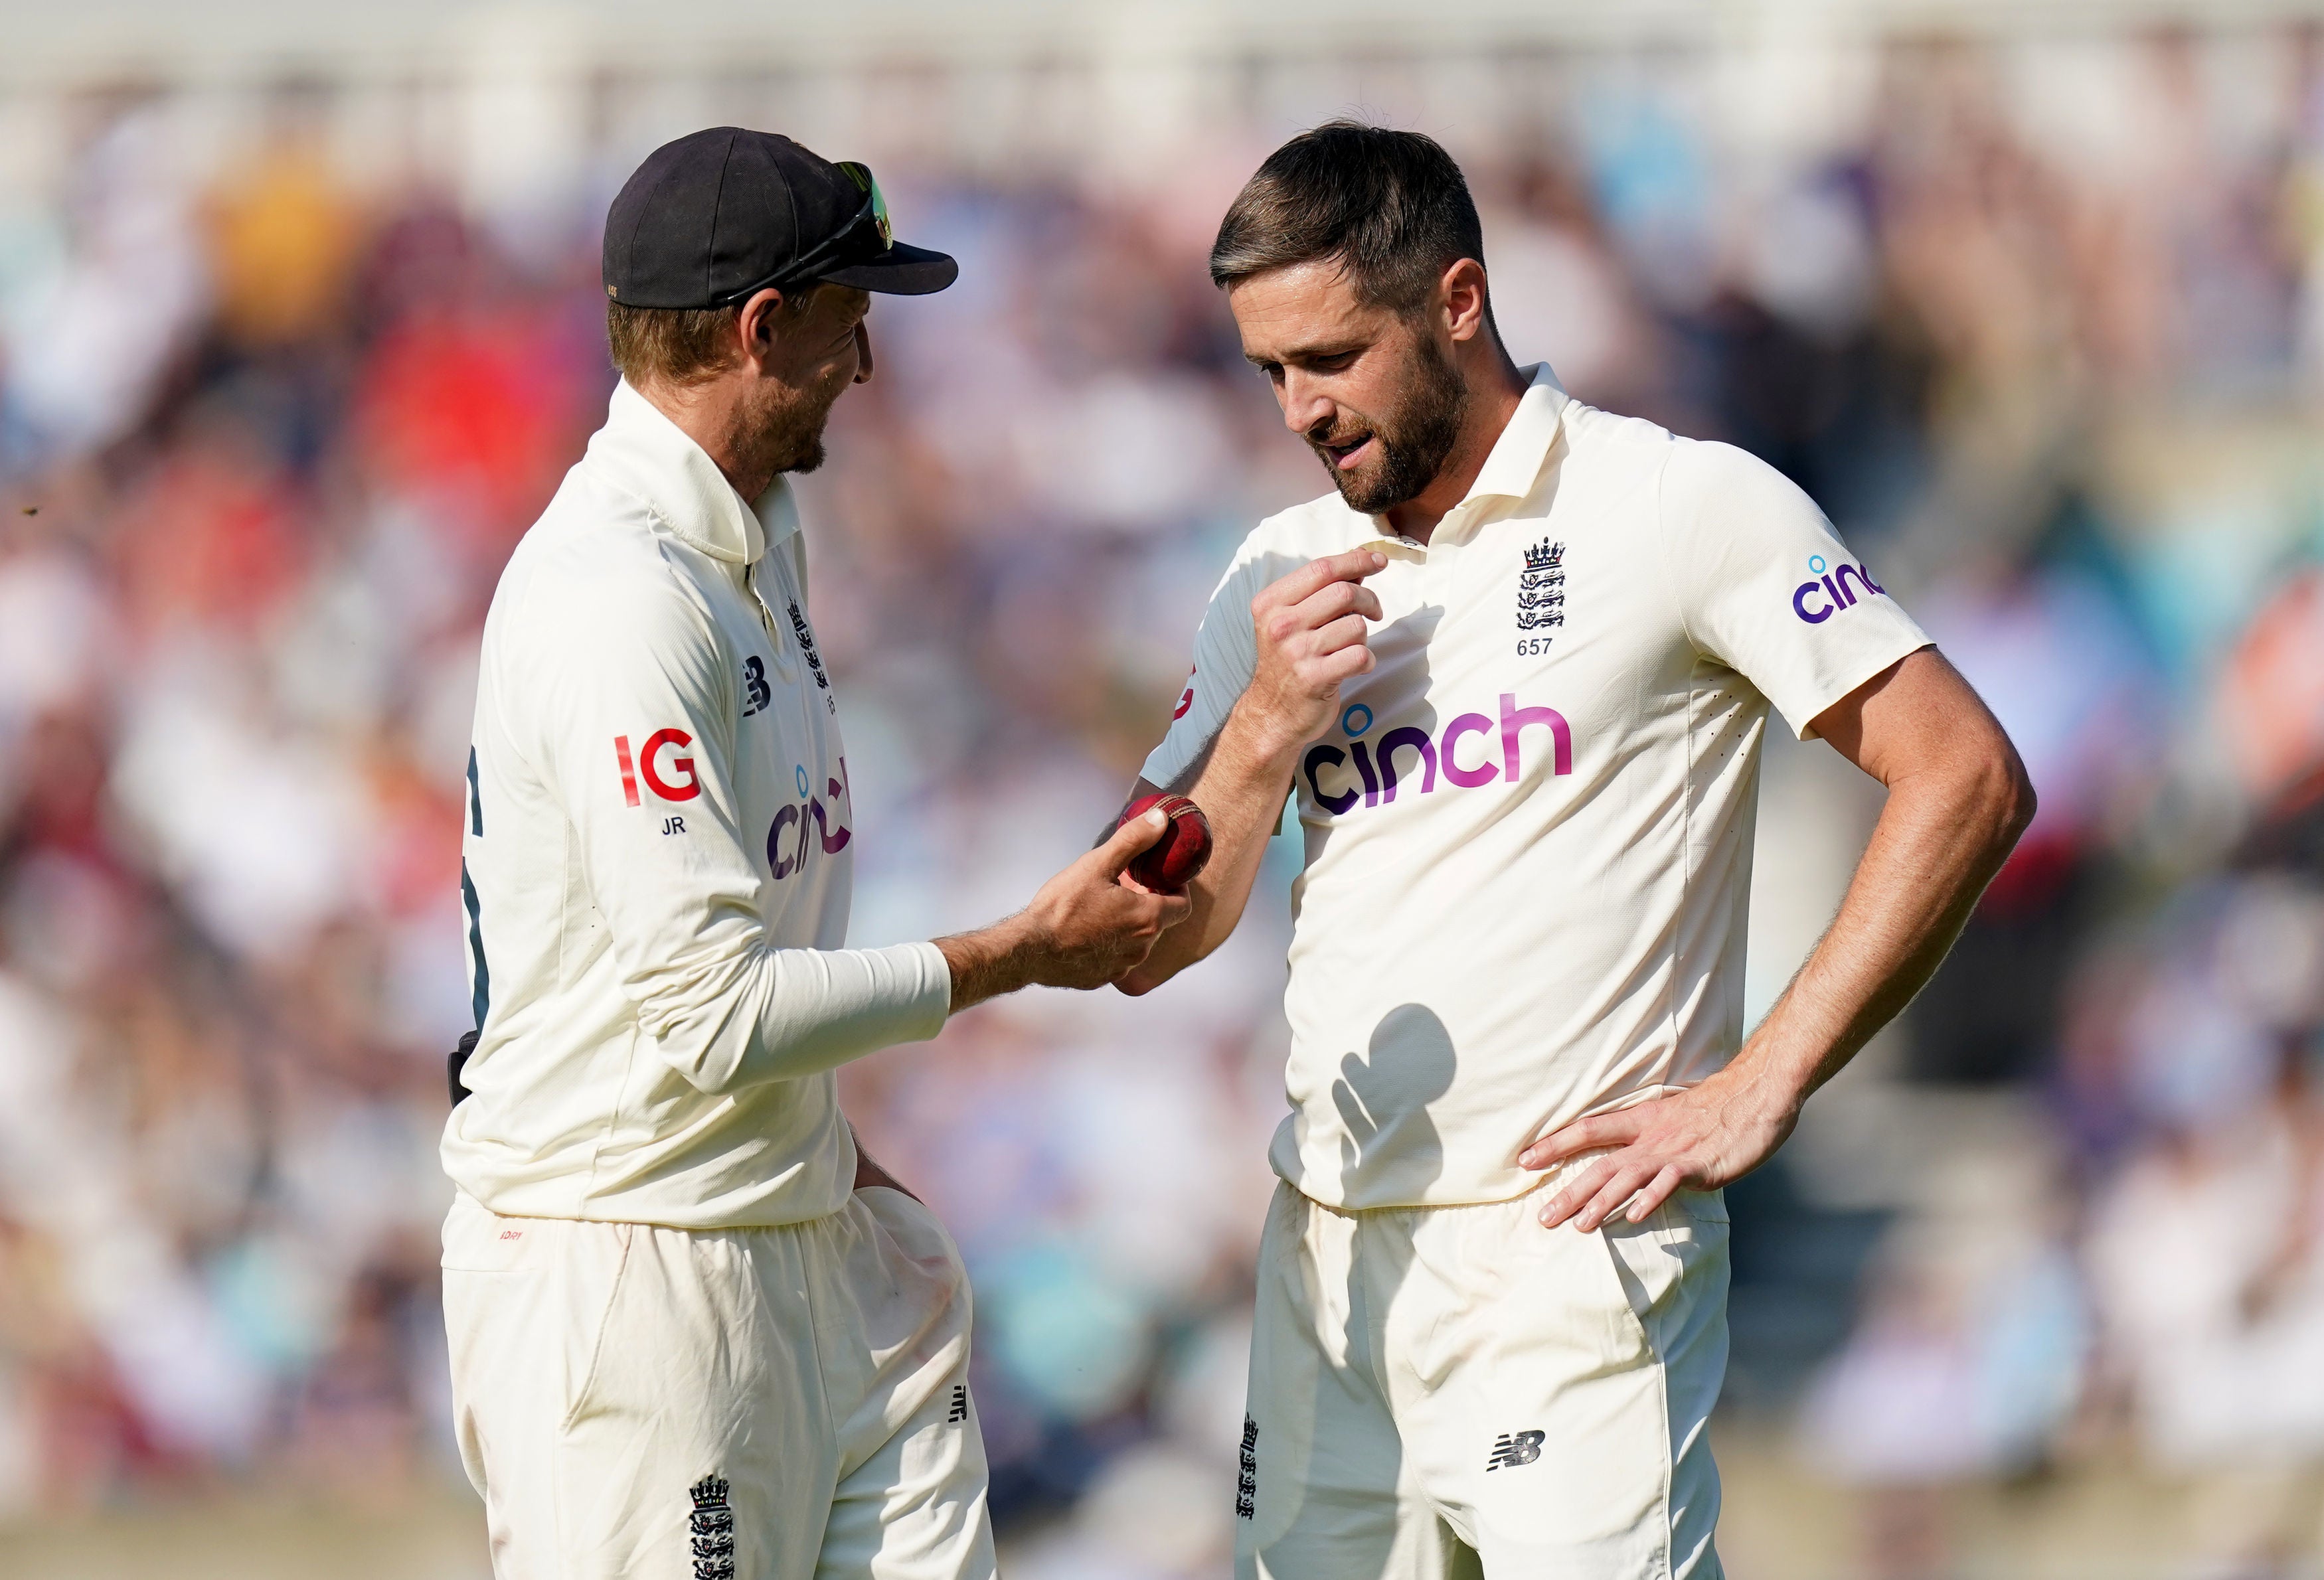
(1512, 1449)
(711, 1530)
(959, 1411)
(1247, 1472)
(756, 693)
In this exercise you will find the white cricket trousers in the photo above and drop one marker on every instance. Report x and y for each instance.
(785, 1403)
(1441, 1393)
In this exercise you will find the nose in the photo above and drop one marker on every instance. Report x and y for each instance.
(1303, 405)
(863, 354)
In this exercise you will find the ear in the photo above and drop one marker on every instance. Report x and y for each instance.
(755, 327)
(1462, 292)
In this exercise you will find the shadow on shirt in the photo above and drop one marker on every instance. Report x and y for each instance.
(1383, 1098)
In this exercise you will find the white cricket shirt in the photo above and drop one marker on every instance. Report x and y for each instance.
(1528, 828)
(657, 862)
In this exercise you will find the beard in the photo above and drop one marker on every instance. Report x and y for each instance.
(1412, 437)
(809, 453)
(793, 425)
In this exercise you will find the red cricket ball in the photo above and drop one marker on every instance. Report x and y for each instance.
(1171, 862)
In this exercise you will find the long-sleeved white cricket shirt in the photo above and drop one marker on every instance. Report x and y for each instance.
(658, 861)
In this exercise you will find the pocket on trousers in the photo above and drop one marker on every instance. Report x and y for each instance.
(1661, 1264)
(1576, 1294)
(1707, 1207)
(602, 1337)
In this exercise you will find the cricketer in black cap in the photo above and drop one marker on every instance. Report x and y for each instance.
(737, 265)
(692, 1329)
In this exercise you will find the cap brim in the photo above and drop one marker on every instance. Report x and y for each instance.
(901, 271)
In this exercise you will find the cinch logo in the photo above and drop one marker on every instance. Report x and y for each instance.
(791, 822)
(798, 831)
(1835, 593)
(1376, 767)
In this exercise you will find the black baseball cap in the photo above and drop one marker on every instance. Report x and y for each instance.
(718, 215)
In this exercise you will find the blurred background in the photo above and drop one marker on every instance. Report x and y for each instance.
(300, 325)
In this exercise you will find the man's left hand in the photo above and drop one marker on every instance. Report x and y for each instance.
(1700, 1139)
(1957, 799)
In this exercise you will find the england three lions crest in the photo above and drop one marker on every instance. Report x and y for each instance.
(710, 1529)
(1541, 588)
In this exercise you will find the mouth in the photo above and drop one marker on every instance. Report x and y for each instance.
(1347, 457)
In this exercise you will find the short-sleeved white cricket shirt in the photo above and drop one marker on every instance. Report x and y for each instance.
(1529, 828)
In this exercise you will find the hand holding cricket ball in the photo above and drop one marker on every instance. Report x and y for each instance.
(1176, 858)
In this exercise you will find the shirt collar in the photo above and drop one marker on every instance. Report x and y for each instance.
(1517, 455)
(645, 453)
(1511, 468)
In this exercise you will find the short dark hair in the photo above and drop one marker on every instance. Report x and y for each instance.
(669, 345)
(681, 346)
(1391, 206)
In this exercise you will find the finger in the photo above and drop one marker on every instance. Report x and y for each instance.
(1338, 599)
(1570, 1200)
(1122, 846)
(1344, 632)
(1327, 672)
(1303, 583)
(1329, 601)
(1657, 1191)
(1130, 945)
(1144, 911)
(1323, 675)
(1130, 952)
(1617, 1129)
(1609, 1196)
(1127, 880)
(1343, 598)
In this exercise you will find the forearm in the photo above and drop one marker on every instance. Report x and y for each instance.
(781, 1013)
(1308, 630)
(1240, 790)
(1939, 841)
(1958, 800)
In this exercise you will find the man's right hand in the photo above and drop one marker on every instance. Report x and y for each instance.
(1311, 628)
(1089, 925)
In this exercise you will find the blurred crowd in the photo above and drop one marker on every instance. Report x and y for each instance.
(2046, 340)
